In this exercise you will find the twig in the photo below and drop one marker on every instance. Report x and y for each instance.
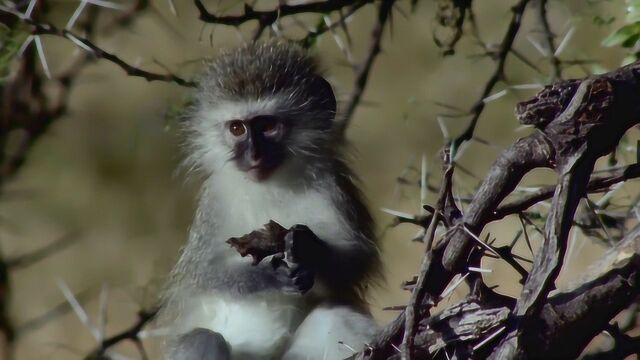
(364, 68)
(498, 73)
(418, 292)
(85, 44)
(268, 17)
(597, 184)
(549, 36)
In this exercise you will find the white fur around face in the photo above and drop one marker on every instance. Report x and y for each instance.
(210, 146)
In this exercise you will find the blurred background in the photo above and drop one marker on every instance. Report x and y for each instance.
(106, 176)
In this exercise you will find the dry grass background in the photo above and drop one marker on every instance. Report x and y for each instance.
(106, 172)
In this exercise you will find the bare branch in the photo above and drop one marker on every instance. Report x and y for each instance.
(87, 45)
(363, 69)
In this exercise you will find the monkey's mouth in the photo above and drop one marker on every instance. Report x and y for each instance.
(259, 173)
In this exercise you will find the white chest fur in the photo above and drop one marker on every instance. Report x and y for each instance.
(243, 205)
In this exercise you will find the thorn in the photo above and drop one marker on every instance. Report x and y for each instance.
(102, 311)
(482, 243)
(76, 15)
(489, 338)
(541, 49)
(172, 8)
(453, 286)
(32, 5)
(160, 332)
(399, 214)
(565, 41)
(495, 96)
(527, 87)
(79, 42)
(443, 127)
(43, 59)
(77, 308)
(107, 4)
(25, 45)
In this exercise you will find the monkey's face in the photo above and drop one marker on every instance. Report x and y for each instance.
(257, 144)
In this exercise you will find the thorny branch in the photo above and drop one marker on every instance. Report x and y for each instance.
(363, 69)
(38, 28)
(48, 111)
(549, 39)
(577, 122)
(268, 17)
(498, 73)
(130, 334)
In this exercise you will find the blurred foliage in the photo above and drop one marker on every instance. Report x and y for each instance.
(628, 35)
(10, 42)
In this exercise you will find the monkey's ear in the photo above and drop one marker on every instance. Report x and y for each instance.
(328, 98)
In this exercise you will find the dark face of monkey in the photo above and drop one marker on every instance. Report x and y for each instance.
(258, 147)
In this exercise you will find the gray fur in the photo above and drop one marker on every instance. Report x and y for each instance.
(207, 265)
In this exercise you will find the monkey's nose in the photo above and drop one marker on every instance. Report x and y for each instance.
(255, 160)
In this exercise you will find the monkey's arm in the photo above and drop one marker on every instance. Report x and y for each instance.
(238, 276)
(339, 265)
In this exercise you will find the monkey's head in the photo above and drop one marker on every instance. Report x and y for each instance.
(261, 106)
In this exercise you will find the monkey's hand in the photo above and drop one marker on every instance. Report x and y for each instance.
(299, 260)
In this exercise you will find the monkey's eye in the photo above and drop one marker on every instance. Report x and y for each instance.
(271, 126)
(237, 128)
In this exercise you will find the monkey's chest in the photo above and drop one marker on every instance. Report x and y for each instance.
(251, 210)
(259, 328)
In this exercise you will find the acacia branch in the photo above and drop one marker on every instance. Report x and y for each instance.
(130, 334)
(268, 17)
(85, 44)
(364, 68)
(597, 184)
(549, 36)
(498, 72)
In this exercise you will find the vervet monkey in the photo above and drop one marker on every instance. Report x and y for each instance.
(262, 132)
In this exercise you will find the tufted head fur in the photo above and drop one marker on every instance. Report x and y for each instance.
(266, 79)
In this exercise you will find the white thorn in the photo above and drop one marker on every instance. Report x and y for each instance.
(538, 47)
(144, 334)
(489, 338)
(453, 286)
(443, 127)
(480, 270)
(399, 214)
(107, 4)
(495, 96)
(25, 45)
(606, 197)
(43, 59)
(32, 5)
(77, 308)
(172, 8)
(482, 243)
(527, 87)
(102, 311)
(565, 41)
(78, 42)
(76, 15)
